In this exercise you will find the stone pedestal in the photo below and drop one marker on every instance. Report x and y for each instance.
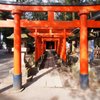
(23, 52)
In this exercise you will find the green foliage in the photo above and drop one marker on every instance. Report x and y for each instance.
(5, 15)
(35, 15)
(68, 1)
(20, 0)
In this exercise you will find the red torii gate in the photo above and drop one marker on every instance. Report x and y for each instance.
(58, 36)
(51, 25)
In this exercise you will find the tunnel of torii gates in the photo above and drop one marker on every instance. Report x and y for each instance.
(50, 30)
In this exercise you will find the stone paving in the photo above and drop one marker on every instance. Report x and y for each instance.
(46, 85)
(6, 63)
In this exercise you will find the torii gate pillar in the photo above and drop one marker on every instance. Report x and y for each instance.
(84, 81)
(17, 74)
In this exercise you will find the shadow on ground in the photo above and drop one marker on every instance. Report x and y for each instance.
(5, 57)
(36, 78)
(6, 88)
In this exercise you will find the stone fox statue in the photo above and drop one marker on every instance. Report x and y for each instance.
(31, 69)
